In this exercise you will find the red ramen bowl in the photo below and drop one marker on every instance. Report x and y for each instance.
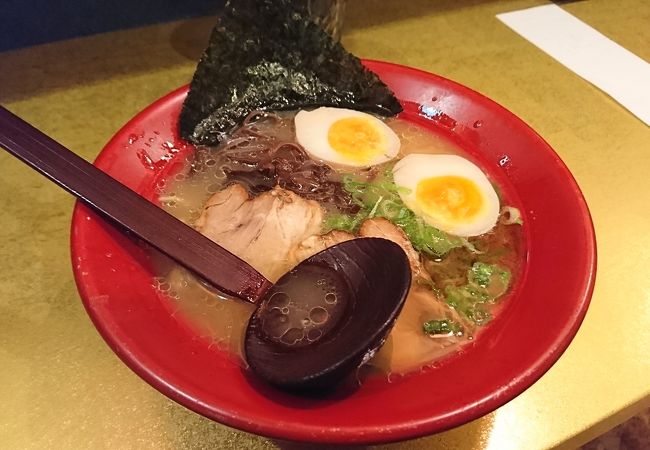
(115, 279)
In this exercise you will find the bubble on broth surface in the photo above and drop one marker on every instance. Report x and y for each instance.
(279, 300)
(318, 315)
(314, 334)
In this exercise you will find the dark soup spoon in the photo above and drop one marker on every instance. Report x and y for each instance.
(312, 329)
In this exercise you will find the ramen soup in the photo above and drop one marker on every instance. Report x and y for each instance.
(285, 186)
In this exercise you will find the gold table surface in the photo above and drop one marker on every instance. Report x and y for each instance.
(62, 387)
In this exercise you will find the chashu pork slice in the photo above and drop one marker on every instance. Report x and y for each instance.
(383, 228)
(407, 347)
(262, 230)
(317, 243)
(377, 227)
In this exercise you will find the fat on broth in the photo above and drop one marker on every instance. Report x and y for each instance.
(223, 320)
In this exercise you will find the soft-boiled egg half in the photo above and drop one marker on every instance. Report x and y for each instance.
(448, 192)
(346, 137)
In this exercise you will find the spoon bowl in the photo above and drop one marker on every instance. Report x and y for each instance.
(306, 339)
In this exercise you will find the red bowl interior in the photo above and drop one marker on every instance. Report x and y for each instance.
(540, 319)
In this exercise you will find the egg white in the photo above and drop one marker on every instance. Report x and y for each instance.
(413, 168)
(312, 128)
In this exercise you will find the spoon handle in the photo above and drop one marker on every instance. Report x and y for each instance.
(123, 206)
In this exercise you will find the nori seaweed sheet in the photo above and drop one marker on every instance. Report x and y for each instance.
(268, 54)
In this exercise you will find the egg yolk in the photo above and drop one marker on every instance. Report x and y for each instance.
(356, 139)
(450, 198)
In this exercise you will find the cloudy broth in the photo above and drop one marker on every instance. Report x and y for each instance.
(222, 320)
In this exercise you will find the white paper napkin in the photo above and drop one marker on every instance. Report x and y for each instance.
(585, 51)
